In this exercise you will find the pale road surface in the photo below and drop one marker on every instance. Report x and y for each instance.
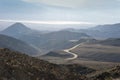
(69, 51)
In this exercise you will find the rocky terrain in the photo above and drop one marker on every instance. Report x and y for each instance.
(17, 66)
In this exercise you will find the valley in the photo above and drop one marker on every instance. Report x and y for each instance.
(59, 39)
(72, 51)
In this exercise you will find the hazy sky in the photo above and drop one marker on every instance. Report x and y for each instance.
(86, 11)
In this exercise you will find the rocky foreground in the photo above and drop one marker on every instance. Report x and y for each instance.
(18, 66)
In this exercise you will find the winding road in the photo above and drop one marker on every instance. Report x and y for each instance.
(69, 51)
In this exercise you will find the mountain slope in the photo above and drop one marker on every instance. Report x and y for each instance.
(17, 45)
(17, 66)
(60, 39)
(111, 41)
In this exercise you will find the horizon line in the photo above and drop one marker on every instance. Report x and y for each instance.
(50, 22)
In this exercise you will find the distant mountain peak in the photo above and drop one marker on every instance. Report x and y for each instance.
(18, 26)
(16, 30)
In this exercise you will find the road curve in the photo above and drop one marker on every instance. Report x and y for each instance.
(69, 51)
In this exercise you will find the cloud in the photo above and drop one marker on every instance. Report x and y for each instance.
(63, 3)
(78, 3)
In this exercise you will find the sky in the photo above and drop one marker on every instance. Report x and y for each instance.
(60, 11)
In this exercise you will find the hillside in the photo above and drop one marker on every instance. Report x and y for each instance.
(111, 74)
(99, 50)
(111, 42)
(17, 45)
(17, 66)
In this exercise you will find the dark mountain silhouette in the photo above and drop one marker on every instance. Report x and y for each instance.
(17, 45)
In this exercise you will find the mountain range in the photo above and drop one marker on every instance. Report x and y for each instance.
(46, 42)
(96, 58)
(62, 39)
(101, 31)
